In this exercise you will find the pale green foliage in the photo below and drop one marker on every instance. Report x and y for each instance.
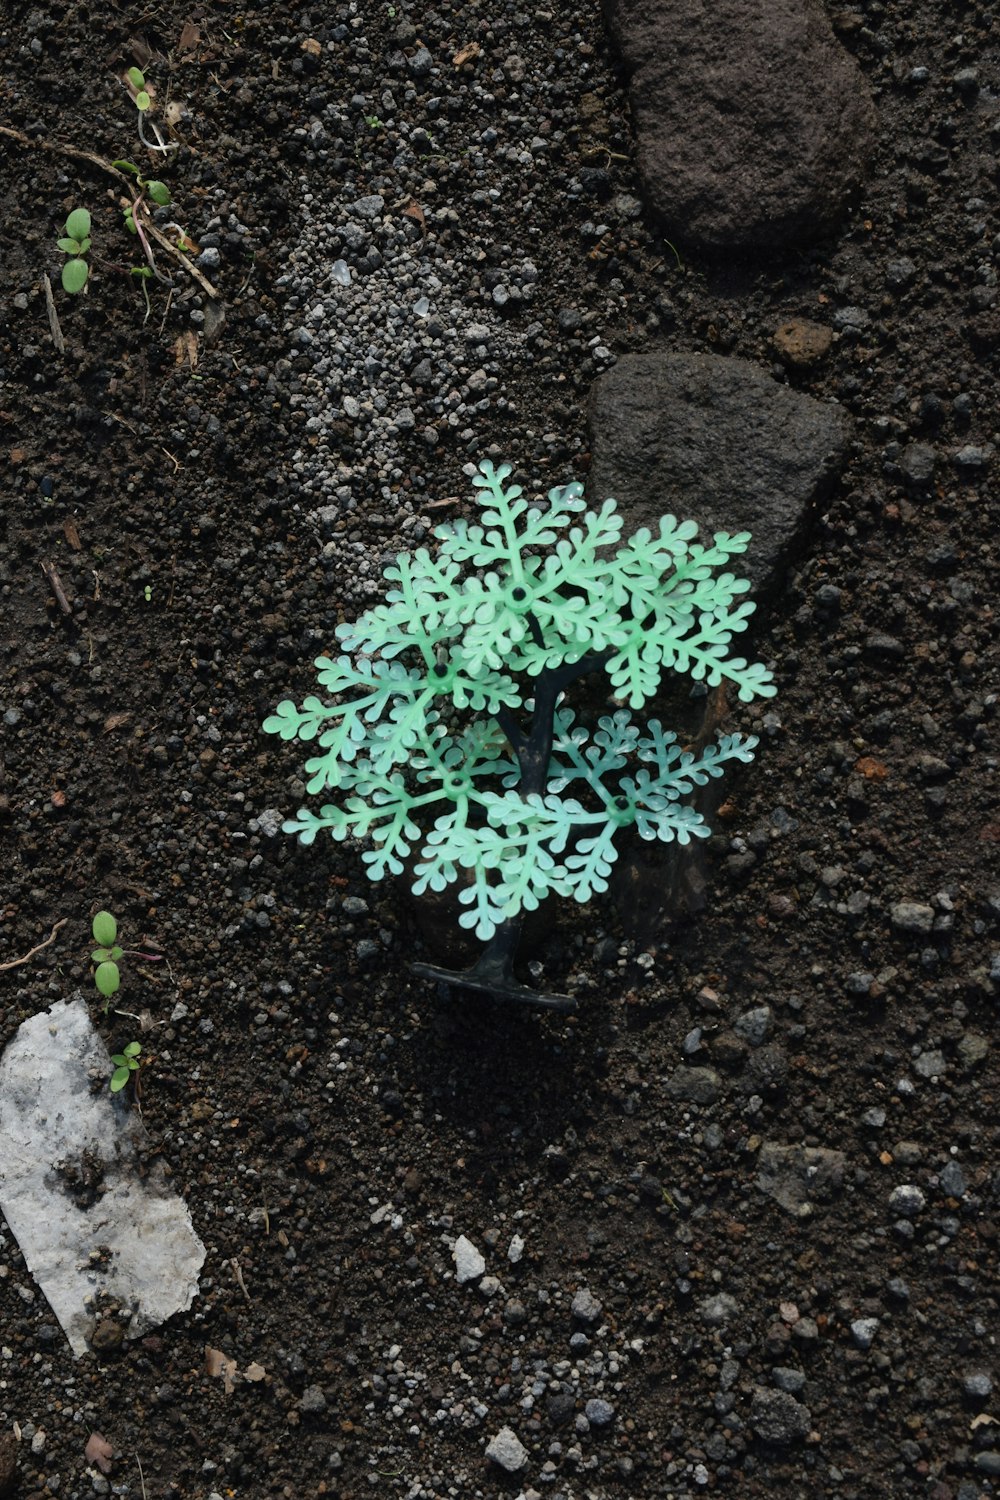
(126, 1063)
(107, 975)
(75, 243)
(475, 627)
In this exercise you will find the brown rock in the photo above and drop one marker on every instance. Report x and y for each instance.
(753, 123)
(801, 343)
(107, 1337)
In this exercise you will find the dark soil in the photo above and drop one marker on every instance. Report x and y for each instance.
(333, 1123)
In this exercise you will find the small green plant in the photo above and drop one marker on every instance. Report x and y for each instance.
(107, 975)
(137, 213)
(447, 733)
(75, 243)
(136, 81)
(141, 94)
(126, 1063)
(374, 123)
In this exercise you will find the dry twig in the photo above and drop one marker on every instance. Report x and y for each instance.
(13, 963)
(50, 308)
(55, 583)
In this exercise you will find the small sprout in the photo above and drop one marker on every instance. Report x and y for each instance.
(106, 955)
(147, 593)
(107, 976)
(75, 243)
(159, 192)
(126, 1063)
(137, 88)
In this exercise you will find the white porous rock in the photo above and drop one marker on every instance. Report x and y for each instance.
(469, 1263)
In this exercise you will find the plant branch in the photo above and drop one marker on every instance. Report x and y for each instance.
(511, 729)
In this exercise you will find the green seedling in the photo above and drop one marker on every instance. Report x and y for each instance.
(136, 81)
(107, 975)
(141, 95)
(137, 214)
(75, 243)
(447, 734)
(126, 1063)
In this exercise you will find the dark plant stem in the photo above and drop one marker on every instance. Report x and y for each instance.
(493, 971)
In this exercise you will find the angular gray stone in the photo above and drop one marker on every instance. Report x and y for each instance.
(797, 1176)
(716, 441)
(776, 1416)
(753, 125)
(469, 1262)
(585, 1306)
(912, 917)
(863, 1331)
(507, 1450)
(754, 1026)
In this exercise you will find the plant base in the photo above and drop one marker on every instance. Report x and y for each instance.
(499, 983)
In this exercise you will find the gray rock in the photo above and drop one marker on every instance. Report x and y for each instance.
(977, 1386)
(907, 1200)
(767, 1068)
(368, 207)
(313, 1401)
(863, 1331)
(850, 318)
(716, 441)
(917, 463)
(585, 1306)
(930, 1064)
(507, 1450)
(718, 1310)
(777, 1417)
(797, 1176)
(695, 1085)
(900, 273)
(912, 917)
(599, 1413)
(806, 1332)
(754, 1026)
(469, 1263)
(756, 144)
(792, 1381)
(972, 1049)
(952, 1180)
